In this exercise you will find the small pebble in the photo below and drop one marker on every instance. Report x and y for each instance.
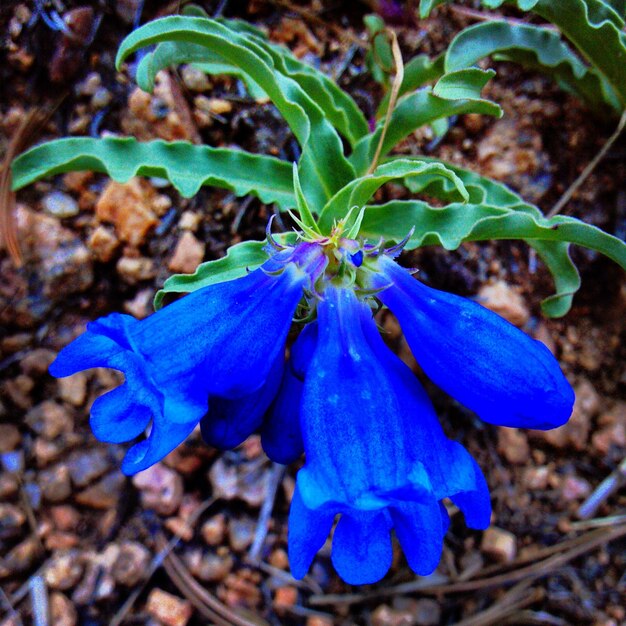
(168, 609)
(161, 489)
(60, 204)
(499, 544)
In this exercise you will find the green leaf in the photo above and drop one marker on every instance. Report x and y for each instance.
(171, 53)
(466, 84)
(596, 30)
(307, 221)
(534, 47)
(455, 223)
(556, 257)
(413, 111)
(323, 166)
(595, 27)
(240, 258)
(185, 165)
(379, 57)
(420, 70)
(359, 191)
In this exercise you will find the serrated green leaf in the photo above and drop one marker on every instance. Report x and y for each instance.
(185, 165)
(358, 192)
(323, 166)
(239, 259)
(534, 47)
(596, 30)
(455, 223)
(413, 111)
(595, 27)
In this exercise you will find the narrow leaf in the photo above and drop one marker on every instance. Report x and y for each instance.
(186, 166)
(323, 167)
(413, 111)
(358, 192)
(534, 47)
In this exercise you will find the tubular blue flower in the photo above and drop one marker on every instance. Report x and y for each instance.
(224, 341)
(375, 454)
(484, 362)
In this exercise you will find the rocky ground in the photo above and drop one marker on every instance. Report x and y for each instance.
(183, 542)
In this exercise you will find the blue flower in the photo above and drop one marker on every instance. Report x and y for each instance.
(474, 355)
(375, 454)
(222, 345)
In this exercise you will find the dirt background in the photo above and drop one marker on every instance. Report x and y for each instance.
(185, 542)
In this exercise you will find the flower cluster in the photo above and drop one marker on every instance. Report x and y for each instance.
(375, 453)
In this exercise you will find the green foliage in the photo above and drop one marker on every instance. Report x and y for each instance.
(323, 166)
(336, 176)
(357, 193)
(492, 212)
(593, 27)
(185, 165)
(423, 107)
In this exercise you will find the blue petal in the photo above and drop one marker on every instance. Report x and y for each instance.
(222, 340)
(476, 356)
(308, 531)
(475, 503)
(362, 552)
(230, 422)
(354, 441)
(420, 529)
(281, 434)
(164, 437)
(449, 466)
(117, 417)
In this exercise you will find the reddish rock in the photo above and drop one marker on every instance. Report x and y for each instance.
(131, 564)
(161, 489)
(55, 483)
(73, 389)
(168, 609)
(64, 570)
(504, 300)
(105, 494)
(285, 598)
(62, 611)
(213, 530)
(611, 431)
(130, 207)
(136, 269)
(10, 438)
(162, 114)
(513, 445)
(499, 544)
(49, 419)
(62, 262)
(188, 254)
(37, 361)
(103, 243)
